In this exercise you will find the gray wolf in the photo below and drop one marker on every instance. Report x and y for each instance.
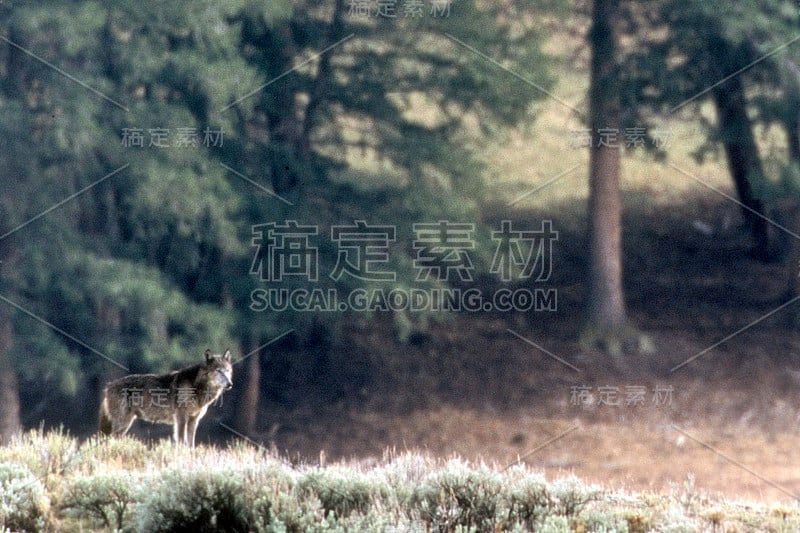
(180, 398)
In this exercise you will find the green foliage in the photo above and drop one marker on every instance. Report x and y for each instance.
(555, 524)
(290, 513)
(48, 455)
(529, 499)
(619, 522)
(341, 493)
(459, 496)
(789, 183)
(570, 495)
(105, 498)
(24, 505)
(170, 328)
(149, 266)
(200, 502)
(678, 521)
(682, 49)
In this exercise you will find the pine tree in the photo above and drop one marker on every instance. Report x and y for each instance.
(148, 264)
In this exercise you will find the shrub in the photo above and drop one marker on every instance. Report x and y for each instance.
(401, 475)
(570, 495)
(195, 502)
(459, 497)
(382, 520)
(289, 513)
(528, 499)
(24, 505)
(49, 456)
(614, 521)
(105, 498)
(340, 492)
(675, 521)
(555, 524)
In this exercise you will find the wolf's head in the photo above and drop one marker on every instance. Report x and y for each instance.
(219, 369)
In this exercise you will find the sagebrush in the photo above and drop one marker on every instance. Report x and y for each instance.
(50, 482)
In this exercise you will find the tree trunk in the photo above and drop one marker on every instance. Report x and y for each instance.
(789, 211)
(247, 408)
(793, 124)
(10, 413)
(793, 113)
(606, 315)
(743, 159)
(794, 139)
(322, 81)
(10, 421)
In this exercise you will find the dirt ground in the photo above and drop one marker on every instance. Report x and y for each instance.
(726, 421)
(732, 434)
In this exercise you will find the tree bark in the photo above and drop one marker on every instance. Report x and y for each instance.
(744, 162)
(789, 211)
(793, 113)
(10, 412)
(322, 81)
(606, 314)
(794, 138)
(10, 419)
(247, 408)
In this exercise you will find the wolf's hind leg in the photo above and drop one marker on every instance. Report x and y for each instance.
(120, 426)
(105, 423)
(115, 419)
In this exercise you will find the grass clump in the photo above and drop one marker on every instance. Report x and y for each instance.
(124, 452)
(24, 504)
(50, 456)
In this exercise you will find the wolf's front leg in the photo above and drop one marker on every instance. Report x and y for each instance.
(179, 428)
(191, 429)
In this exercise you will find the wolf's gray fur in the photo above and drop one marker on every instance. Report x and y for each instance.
(180, 398)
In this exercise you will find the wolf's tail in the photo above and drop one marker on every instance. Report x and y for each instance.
(105, 425)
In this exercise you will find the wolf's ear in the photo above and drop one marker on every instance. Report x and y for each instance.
(227, 355)
(208, 356)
